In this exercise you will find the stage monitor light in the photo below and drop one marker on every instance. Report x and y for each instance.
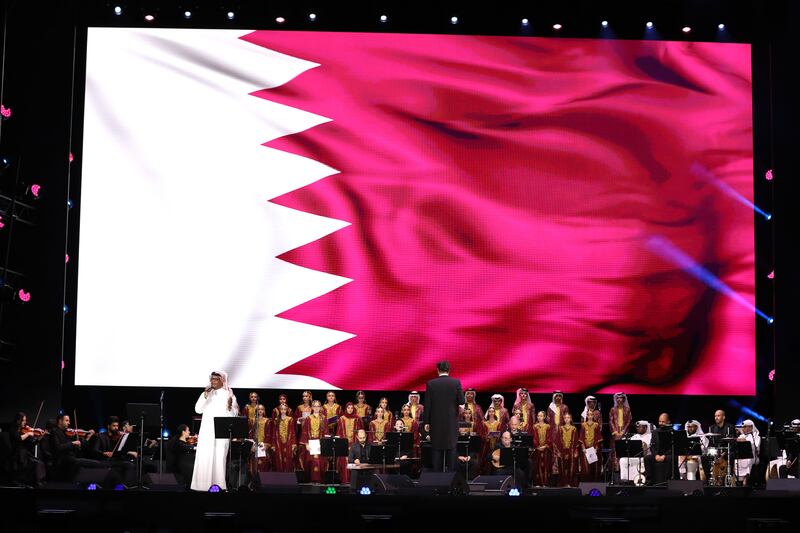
(117, 10)
(557, 26)
(770, 320)
(513, 492)
(312, 17)
(595, 492)
(604, 24)
(92, 486)
(330, 490)
(120, 486)
(213, 488)
(187, 14)
(453, 20)
(721, 26)
(280, 20)
(231, 15)
(686, 29)
(649, 25)
(525, 22)
(149, 18)
(384, 18)
(365, 491)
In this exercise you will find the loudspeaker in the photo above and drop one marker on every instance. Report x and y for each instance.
(389, 483)
(587, 487)
(491, 484)
(165, 482)
(625, 490)
(104, 477)
(278, 482)
(438, 483)
(689, 487)
(727, 491)
(792, 485)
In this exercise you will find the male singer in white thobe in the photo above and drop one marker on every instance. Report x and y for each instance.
(212, 454)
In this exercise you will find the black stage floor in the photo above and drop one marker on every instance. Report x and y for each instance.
(311, 509)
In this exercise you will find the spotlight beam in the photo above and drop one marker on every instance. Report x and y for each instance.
(663, 248)
(702, 172)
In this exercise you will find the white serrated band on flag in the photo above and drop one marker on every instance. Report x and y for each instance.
(178, 270)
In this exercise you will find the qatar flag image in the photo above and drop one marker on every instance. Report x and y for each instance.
(343, 210)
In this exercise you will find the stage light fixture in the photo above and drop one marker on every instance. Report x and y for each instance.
(771, 275)
(231, 15)
(120, 486)
(768, 216)
(384, 18)
(525, 22)
(771, 375)
(23, 296)
(35, 189)
(770, 320)
(66, 308)
(92, 486)
(720, 26)
(71, 157)
(365, 491)
(686, 29)
(5, 112)
(768, 175)
(69, 203)
(595, 492)
(280, 20)
(165, 433)
(557, 26)
(513, 492)
(66, 258)
(604, 24)
(649, 25)
(312, 17)
(117, 10)
(330, 490)
(4, 163)
(149, 18)
(453, 20)
(187, 14)
(2, 224)
(213, 488)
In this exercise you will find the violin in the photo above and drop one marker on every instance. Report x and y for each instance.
(80, 433)
(37, 432)
(191, 440)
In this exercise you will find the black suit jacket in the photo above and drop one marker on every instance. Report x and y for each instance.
(442, 398)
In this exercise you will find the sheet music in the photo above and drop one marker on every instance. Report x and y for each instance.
(314, 446)
(591, 455)
(262, 450)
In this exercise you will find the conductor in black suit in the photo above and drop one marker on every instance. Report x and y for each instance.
(442, 398)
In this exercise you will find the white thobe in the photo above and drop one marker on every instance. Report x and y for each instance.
(212, 454)
(743, 466)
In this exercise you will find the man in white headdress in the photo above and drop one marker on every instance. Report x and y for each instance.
(749, 434)
(629, 467)
(690, 464)
(211, 455)
(590, 406)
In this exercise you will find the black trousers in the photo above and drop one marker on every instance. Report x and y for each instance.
(443, 460)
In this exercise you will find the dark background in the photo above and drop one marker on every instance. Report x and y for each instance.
(42, 65)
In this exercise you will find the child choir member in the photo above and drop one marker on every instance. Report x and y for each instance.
(379, 426)
(591, 437)
(347, 427)
(314, 427)
(332, 411)
(542, 451)
(282, 400)
(567, 449)
(284, 441)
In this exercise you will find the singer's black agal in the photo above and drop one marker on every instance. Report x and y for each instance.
(441, 483)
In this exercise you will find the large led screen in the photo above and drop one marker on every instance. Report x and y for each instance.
(342, 210)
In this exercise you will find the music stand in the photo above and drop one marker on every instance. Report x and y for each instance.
(468, 444)
(627, 448)
(145, 413)
(514, 456)
(686, 446)
(333, 447)
(231, 427)
(666, 442)
(742, 449)
(403, 442)
(376, 455)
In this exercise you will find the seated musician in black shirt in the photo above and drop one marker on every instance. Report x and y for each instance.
(115, 448)
(359, 451)
(721, 427)
(180, 455)
(506, 470)
(66, 447)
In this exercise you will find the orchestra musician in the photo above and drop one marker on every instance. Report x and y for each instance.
(24, 466)
(505, 441)
(115, 448)
(66, 445)
(180, 455)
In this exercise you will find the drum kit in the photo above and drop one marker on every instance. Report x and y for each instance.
(721, 466)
